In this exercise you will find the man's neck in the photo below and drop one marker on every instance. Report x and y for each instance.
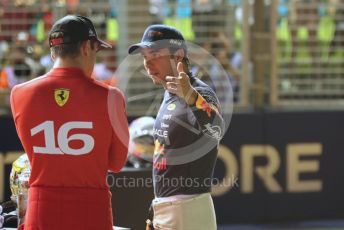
(69, 63)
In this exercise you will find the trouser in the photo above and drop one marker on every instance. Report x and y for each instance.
(68, 209)
(188, 214)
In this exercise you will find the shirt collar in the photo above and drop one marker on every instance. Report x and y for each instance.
(68, 71)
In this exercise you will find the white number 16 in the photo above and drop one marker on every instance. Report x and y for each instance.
(62, 138)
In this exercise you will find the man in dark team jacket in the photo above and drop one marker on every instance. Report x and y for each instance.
(187, 132)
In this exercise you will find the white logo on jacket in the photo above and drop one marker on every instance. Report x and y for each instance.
(212, 131)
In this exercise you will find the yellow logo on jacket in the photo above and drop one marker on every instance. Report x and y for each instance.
(171, 106)
(61, 96)
(159, 148)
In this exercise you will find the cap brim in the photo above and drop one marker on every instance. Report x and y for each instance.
(136, 48)
(104, 45)
(166, 43)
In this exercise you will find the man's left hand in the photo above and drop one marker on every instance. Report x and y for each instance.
(181, 85)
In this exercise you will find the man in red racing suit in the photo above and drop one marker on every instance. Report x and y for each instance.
(74, 130)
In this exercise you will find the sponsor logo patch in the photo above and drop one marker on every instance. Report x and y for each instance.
(212, 131)
(171, 106)
(159, 148)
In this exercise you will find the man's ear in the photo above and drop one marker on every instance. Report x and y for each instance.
(179, 54)
(84, 48)
(52, 57)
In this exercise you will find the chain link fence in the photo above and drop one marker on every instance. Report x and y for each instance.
(310, 45)
(300, 42)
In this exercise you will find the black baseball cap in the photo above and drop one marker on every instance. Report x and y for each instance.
(74, 28)
(159, 36)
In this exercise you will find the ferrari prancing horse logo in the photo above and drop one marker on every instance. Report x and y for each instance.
(61, 96)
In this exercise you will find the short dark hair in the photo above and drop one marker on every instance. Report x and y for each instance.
(71, 50)
(185, 59)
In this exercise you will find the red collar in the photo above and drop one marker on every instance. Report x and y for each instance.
(68, 71)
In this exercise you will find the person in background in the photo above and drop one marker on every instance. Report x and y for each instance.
(16, 70)
(106, 69)
(220, 49)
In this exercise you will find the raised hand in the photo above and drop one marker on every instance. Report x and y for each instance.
(181, 85)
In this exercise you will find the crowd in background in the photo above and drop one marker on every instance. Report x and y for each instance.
(24, 50)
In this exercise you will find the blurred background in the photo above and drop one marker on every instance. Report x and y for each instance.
(285, 62)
